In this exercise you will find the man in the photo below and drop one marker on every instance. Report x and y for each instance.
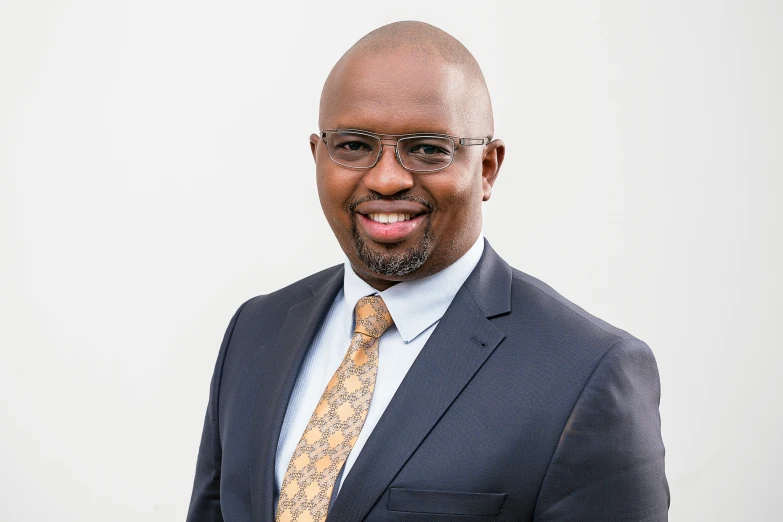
(423, 378)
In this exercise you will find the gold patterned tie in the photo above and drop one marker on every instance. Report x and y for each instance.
(336, 422)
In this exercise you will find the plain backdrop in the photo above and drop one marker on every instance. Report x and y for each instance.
(155, 173)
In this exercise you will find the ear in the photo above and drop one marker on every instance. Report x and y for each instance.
(490, 165)
(314, 139)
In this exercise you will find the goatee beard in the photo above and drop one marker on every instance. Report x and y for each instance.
(391, 263)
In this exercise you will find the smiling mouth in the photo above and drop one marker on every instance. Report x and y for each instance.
(389, 218)
(389, 227)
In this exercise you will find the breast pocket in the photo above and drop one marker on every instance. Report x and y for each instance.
(444, 502)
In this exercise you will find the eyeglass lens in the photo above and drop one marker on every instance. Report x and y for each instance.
(417, 153)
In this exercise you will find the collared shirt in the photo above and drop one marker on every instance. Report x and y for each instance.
(416, 306)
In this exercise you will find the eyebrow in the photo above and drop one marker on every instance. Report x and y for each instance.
(441, 131)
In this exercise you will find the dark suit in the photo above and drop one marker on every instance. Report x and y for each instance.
(521, 406)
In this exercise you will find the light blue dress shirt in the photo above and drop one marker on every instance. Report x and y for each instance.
(416, 307)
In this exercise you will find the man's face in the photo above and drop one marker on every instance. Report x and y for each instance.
(400, 94)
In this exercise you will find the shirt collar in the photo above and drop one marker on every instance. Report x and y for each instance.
(417, 304)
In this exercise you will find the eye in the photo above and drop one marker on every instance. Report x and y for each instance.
(428, 149)
(351, 144)
(354, 146)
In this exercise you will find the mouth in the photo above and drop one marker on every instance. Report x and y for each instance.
(383, 217)
(390, 221)
(390, 227)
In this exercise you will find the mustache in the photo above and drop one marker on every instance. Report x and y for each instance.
(395, 197)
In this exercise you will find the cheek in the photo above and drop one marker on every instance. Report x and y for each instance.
(458, 197)
(334, 193)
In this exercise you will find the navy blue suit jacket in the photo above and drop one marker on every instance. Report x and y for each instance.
(521, 406)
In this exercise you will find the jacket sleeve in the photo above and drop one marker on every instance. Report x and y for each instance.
(205, 499)
(609, 462)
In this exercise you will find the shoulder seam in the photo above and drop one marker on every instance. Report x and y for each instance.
(568, 304)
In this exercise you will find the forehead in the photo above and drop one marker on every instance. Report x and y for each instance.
(396, 93)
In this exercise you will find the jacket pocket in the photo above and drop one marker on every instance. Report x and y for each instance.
(444, 502)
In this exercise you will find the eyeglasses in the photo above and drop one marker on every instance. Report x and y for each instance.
(357, 149)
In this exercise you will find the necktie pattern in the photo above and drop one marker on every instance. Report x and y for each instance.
(336, 422)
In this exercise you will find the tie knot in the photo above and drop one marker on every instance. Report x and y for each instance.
(372, 316)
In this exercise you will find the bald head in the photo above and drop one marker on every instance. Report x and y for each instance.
(406, 56)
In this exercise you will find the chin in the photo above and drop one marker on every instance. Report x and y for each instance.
(392, 260)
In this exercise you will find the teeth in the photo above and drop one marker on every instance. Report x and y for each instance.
(389, 218)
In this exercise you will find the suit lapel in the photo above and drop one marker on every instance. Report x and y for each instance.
(279, 376)
(458, 347)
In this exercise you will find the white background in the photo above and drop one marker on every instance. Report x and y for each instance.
(155, 172)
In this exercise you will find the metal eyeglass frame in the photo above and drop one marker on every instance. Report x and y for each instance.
(456, 140)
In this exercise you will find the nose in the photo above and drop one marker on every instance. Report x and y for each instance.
(388, 176)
